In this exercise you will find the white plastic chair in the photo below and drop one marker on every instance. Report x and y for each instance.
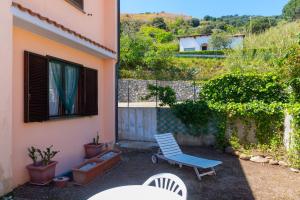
(168, 182)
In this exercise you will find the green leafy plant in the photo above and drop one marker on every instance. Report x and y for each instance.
(294, 149)
(235, 142)
(220, 40)
(243, 88)
(194, 114)
(32, 153)
(295, 85)
(47, 155)
(247, 97)
(208, 52)
(166, 95)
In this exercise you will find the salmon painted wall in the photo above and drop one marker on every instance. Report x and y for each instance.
(109, 22)
(6, 97)
(67, 135)
(101, 26)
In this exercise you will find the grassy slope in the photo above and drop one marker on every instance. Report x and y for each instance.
(206, 67)
(168, 17)
(271, 45)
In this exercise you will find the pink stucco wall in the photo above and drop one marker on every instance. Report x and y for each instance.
(100, 27)
(67, 135)
(6, 97)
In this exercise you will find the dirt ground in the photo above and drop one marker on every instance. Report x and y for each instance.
(236, 179)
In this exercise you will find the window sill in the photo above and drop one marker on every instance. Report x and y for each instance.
(76, 6)
(69, 117)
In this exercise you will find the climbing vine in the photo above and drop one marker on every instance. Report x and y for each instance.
(259, 98)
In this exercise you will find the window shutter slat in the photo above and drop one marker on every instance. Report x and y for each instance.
(78, 3)
(90, 92)
(36, 108)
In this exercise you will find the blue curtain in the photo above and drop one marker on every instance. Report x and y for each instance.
(71, 87)
(66, 82)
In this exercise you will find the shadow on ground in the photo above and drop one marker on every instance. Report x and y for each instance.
(235, 179)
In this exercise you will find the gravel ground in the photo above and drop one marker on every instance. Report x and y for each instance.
(236, 179)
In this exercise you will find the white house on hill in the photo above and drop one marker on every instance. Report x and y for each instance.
(201, 42)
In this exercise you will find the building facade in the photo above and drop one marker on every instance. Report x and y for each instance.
(57, 81)
(201, 42)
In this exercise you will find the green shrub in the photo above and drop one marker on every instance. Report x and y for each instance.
(295, 85)
(243, 88)
(294, 150)
(249, 97)
(208, 52)
(194, 114)
(166, 95)
(234, 142)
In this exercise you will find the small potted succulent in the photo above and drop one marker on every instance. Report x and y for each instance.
(41, 171)
(93, 149)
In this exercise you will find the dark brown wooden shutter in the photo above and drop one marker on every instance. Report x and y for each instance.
(36, 100)
(78, 3)
(90, 90)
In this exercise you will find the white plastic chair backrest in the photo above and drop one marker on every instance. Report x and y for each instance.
(168, 144)
(168, 182)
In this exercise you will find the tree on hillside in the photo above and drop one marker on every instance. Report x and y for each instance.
(261, 24)
(220, 40)
(129, 27)
(160, 36)
(209, 18)
(194, 22)
(291, 10)
(159, 22)
(206, 29)
(133, 49)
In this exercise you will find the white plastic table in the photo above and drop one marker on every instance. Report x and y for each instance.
(136, 192)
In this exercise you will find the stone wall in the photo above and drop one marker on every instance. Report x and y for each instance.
(134, 90)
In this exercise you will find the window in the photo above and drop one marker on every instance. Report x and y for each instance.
(56, 88)
(77, 3)
(189, 49)
(63, 88)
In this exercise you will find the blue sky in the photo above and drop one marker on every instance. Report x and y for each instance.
(200, 8)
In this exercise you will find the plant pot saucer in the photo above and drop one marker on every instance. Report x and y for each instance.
(61, 182)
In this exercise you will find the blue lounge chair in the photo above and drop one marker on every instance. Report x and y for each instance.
(170, 151)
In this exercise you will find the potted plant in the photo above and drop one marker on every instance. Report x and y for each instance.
(41, 171)
(93, 149)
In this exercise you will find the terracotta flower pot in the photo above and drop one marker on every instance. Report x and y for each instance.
(92, 150)
(41, 175)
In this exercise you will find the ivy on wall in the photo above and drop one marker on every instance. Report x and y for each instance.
(248, 97)
(245, 96)
(244, 88)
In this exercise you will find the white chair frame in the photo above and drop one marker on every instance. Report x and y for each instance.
(168, 182)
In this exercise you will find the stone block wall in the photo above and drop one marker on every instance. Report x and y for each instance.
(133, 90)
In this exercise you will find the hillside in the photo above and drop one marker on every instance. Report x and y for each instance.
(149, 45)
(265, 52)
(180, 24)
(148, 17)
